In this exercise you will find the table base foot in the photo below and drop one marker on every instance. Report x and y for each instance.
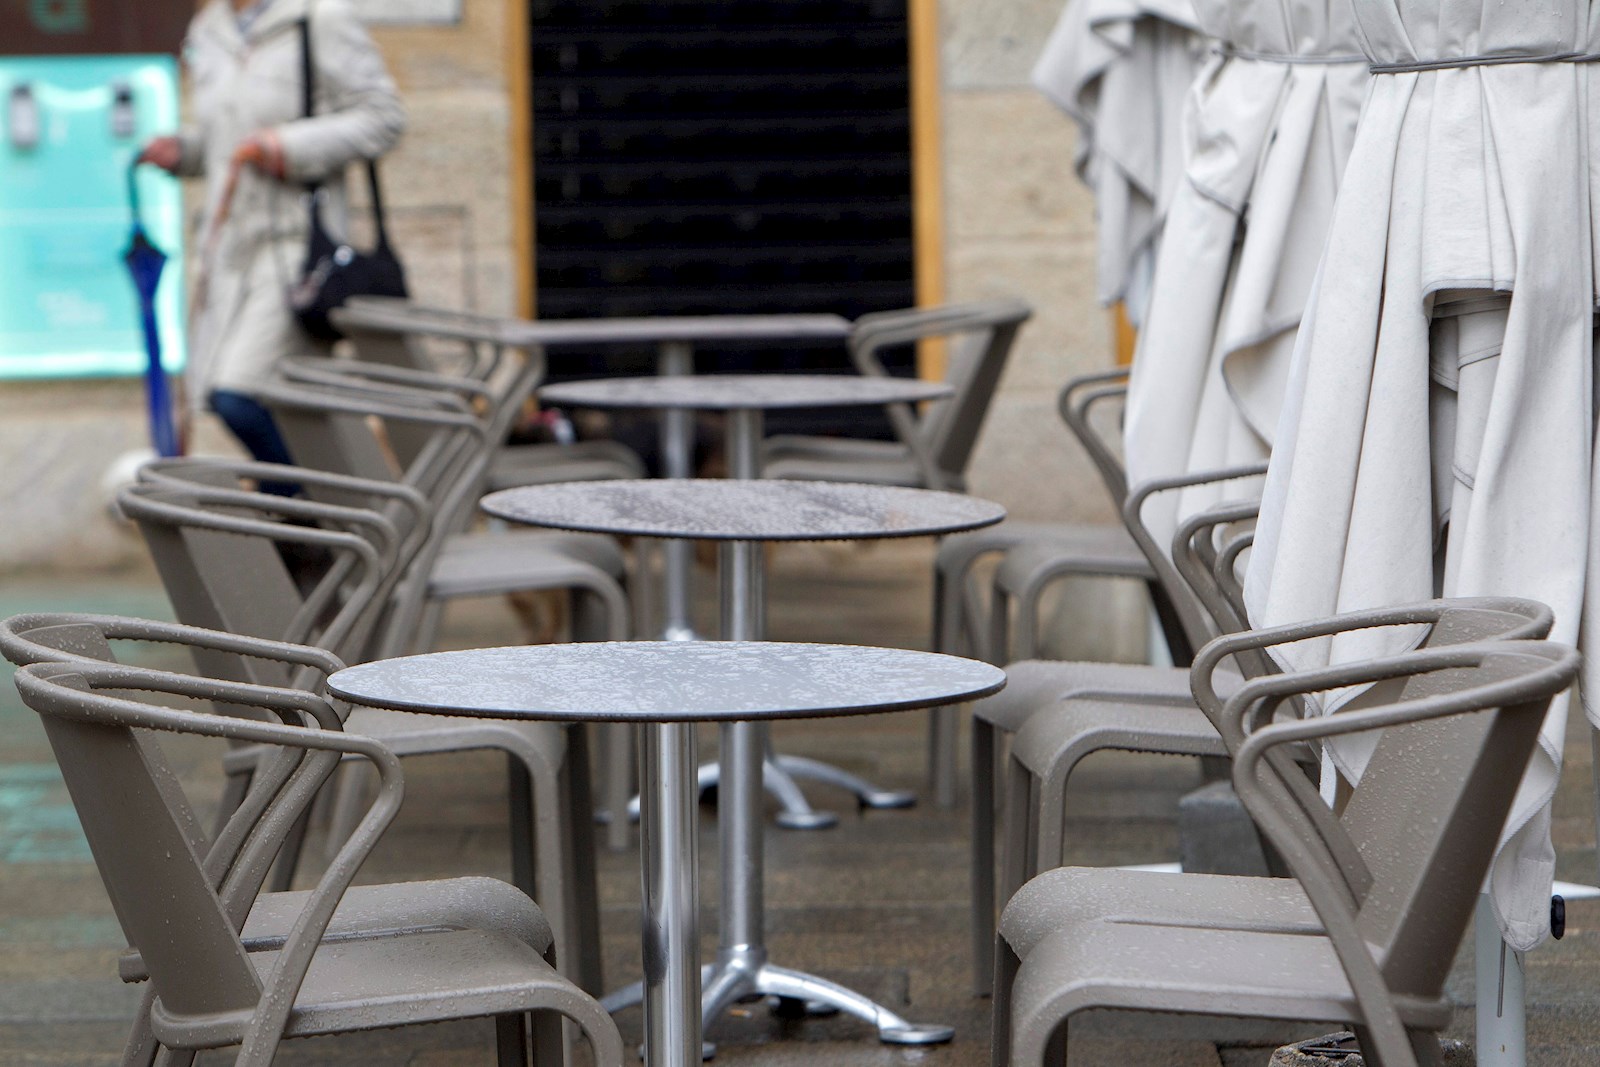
(737, 981)
(867, 794)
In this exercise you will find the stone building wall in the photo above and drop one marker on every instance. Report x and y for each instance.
(1018, 223)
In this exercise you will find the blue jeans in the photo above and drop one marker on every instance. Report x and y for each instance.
(252, 424)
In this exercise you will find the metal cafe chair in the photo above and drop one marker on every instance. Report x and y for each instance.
(1036, 554)
(436, 443)
(1050, 745)
(184, 911)
(933, 450)
(1166, 708)
(218, 553)
(389, 333)
(1390, 881)
(454, 903)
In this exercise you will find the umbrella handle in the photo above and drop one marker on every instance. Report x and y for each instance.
(135, 207)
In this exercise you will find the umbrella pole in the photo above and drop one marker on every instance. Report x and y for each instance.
(1502, 1037)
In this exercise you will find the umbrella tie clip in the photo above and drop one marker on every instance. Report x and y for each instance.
(1457, 62)
(1228, 51)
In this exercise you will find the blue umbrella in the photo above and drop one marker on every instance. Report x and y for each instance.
(145, 263)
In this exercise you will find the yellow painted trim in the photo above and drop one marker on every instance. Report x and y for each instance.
(519, 88)
(927, 172)
(1124, 337)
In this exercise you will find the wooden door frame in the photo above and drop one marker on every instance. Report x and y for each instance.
(927, 173)
(519, 87)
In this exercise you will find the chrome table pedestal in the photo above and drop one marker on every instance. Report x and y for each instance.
(744, 398)
(743, 515)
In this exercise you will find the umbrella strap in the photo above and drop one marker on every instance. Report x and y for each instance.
(1481, 61)
(1230, 52)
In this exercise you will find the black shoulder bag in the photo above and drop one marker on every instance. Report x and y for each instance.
(334, 272)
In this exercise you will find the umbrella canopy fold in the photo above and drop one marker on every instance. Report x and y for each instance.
(1270, 123)
(1121, 70)
(1438, 426)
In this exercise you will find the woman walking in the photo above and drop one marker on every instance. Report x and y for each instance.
(259, 151)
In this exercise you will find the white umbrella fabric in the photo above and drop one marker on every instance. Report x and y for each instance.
(1121, 70)
(1439, 421)
(1270, 124)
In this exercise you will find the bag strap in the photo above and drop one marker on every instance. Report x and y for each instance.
(379, 219)
(309, 93)
(308, 69)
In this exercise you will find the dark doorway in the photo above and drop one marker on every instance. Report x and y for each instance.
(716, 156)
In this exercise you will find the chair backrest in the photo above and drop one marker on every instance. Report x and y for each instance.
(76, 638)
(1079, 403)
(218, 553)
(388, 330)
(1187, 622)
(1197, 546)
(79, 637)
(1195, 556)
(1426, 817)
(179, 909)
(357, 430)
(944, 438)
(496, 399)
(334, 427)
(1438, 624)
(423, 438)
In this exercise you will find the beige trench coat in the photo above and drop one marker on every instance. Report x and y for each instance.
(241, 84)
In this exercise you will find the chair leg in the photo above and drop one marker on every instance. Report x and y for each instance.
(1048, 811)
(944, 731)
(141, 1047)
(578, 843)
(999, 641)
(352, 783)
(288, 860)
(1005, 972)
(234, 788)
(1019, 826)
(941, 757)
(1594, 770)
(523, 872)
(510, 1041)
(1425, 1046)
(601, 613)
(616, 748)
(1025, 639)
(983, 902)
(549, 1044)
(642, 587)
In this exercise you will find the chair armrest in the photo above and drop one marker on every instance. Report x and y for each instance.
(21, 651)
(350, 372)
(277, 396)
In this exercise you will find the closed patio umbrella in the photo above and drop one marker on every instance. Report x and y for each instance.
(1270, 123)
(1121, 69)
(1439, 421)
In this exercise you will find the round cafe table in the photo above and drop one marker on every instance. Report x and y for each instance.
(745, 398)
(666, 688)
(742, 515)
